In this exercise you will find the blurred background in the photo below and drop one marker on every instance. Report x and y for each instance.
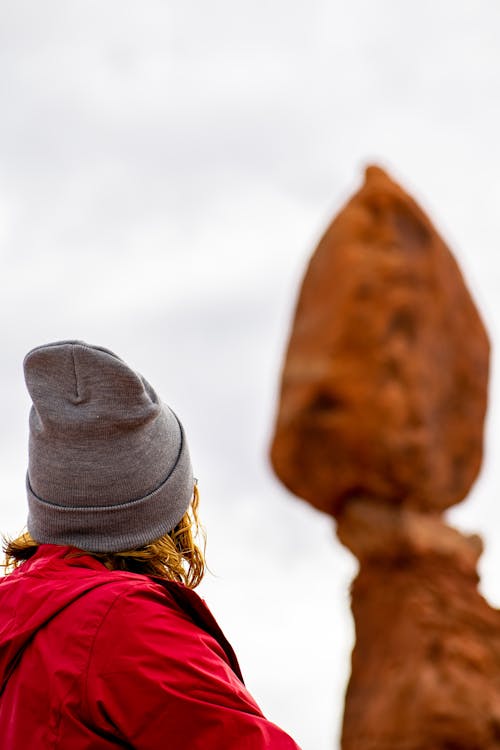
(166, 169)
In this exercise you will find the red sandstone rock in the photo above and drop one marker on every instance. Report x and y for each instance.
(426, 664)
(384, 386)
(380, 424)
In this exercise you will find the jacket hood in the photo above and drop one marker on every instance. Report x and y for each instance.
(37, 591)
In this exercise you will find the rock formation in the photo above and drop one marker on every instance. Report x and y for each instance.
(380, 424)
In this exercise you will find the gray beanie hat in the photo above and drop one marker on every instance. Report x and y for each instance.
(109, 467)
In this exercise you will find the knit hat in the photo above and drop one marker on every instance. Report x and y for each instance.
(109, 467)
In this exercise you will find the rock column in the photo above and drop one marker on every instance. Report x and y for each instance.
(380, 425)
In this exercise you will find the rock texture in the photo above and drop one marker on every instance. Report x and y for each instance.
(380, 424)
(426, 664)
(384, 385)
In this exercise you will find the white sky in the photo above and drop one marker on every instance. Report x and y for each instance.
(166, 168)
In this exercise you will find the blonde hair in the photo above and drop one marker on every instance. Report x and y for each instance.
(174, 556)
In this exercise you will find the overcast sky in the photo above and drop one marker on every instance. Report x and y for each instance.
(166, 169)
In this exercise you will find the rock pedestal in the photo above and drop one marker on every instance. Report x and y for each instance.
(426, 663)
(380, 424)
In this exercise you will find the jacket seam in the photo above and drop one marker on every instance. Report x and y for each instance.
(86, 702)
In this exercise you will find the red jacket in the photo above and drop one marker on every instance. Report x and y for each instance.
(93, 660)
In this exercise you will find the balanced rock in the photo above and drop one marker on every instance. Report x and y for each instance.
(384, 386)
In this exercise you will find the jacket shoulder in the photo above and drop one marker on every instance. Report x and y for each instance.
(156, 671)
(142, 611)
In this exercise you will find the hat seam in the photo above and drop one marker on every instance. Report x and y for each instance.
(117, 506)
(74, 372)
(98, 508)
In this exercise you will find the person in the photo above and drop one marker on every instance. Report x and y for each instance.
(103, 642)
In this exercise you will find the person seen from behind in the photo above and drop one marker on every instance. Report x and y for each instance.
(103, 642)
